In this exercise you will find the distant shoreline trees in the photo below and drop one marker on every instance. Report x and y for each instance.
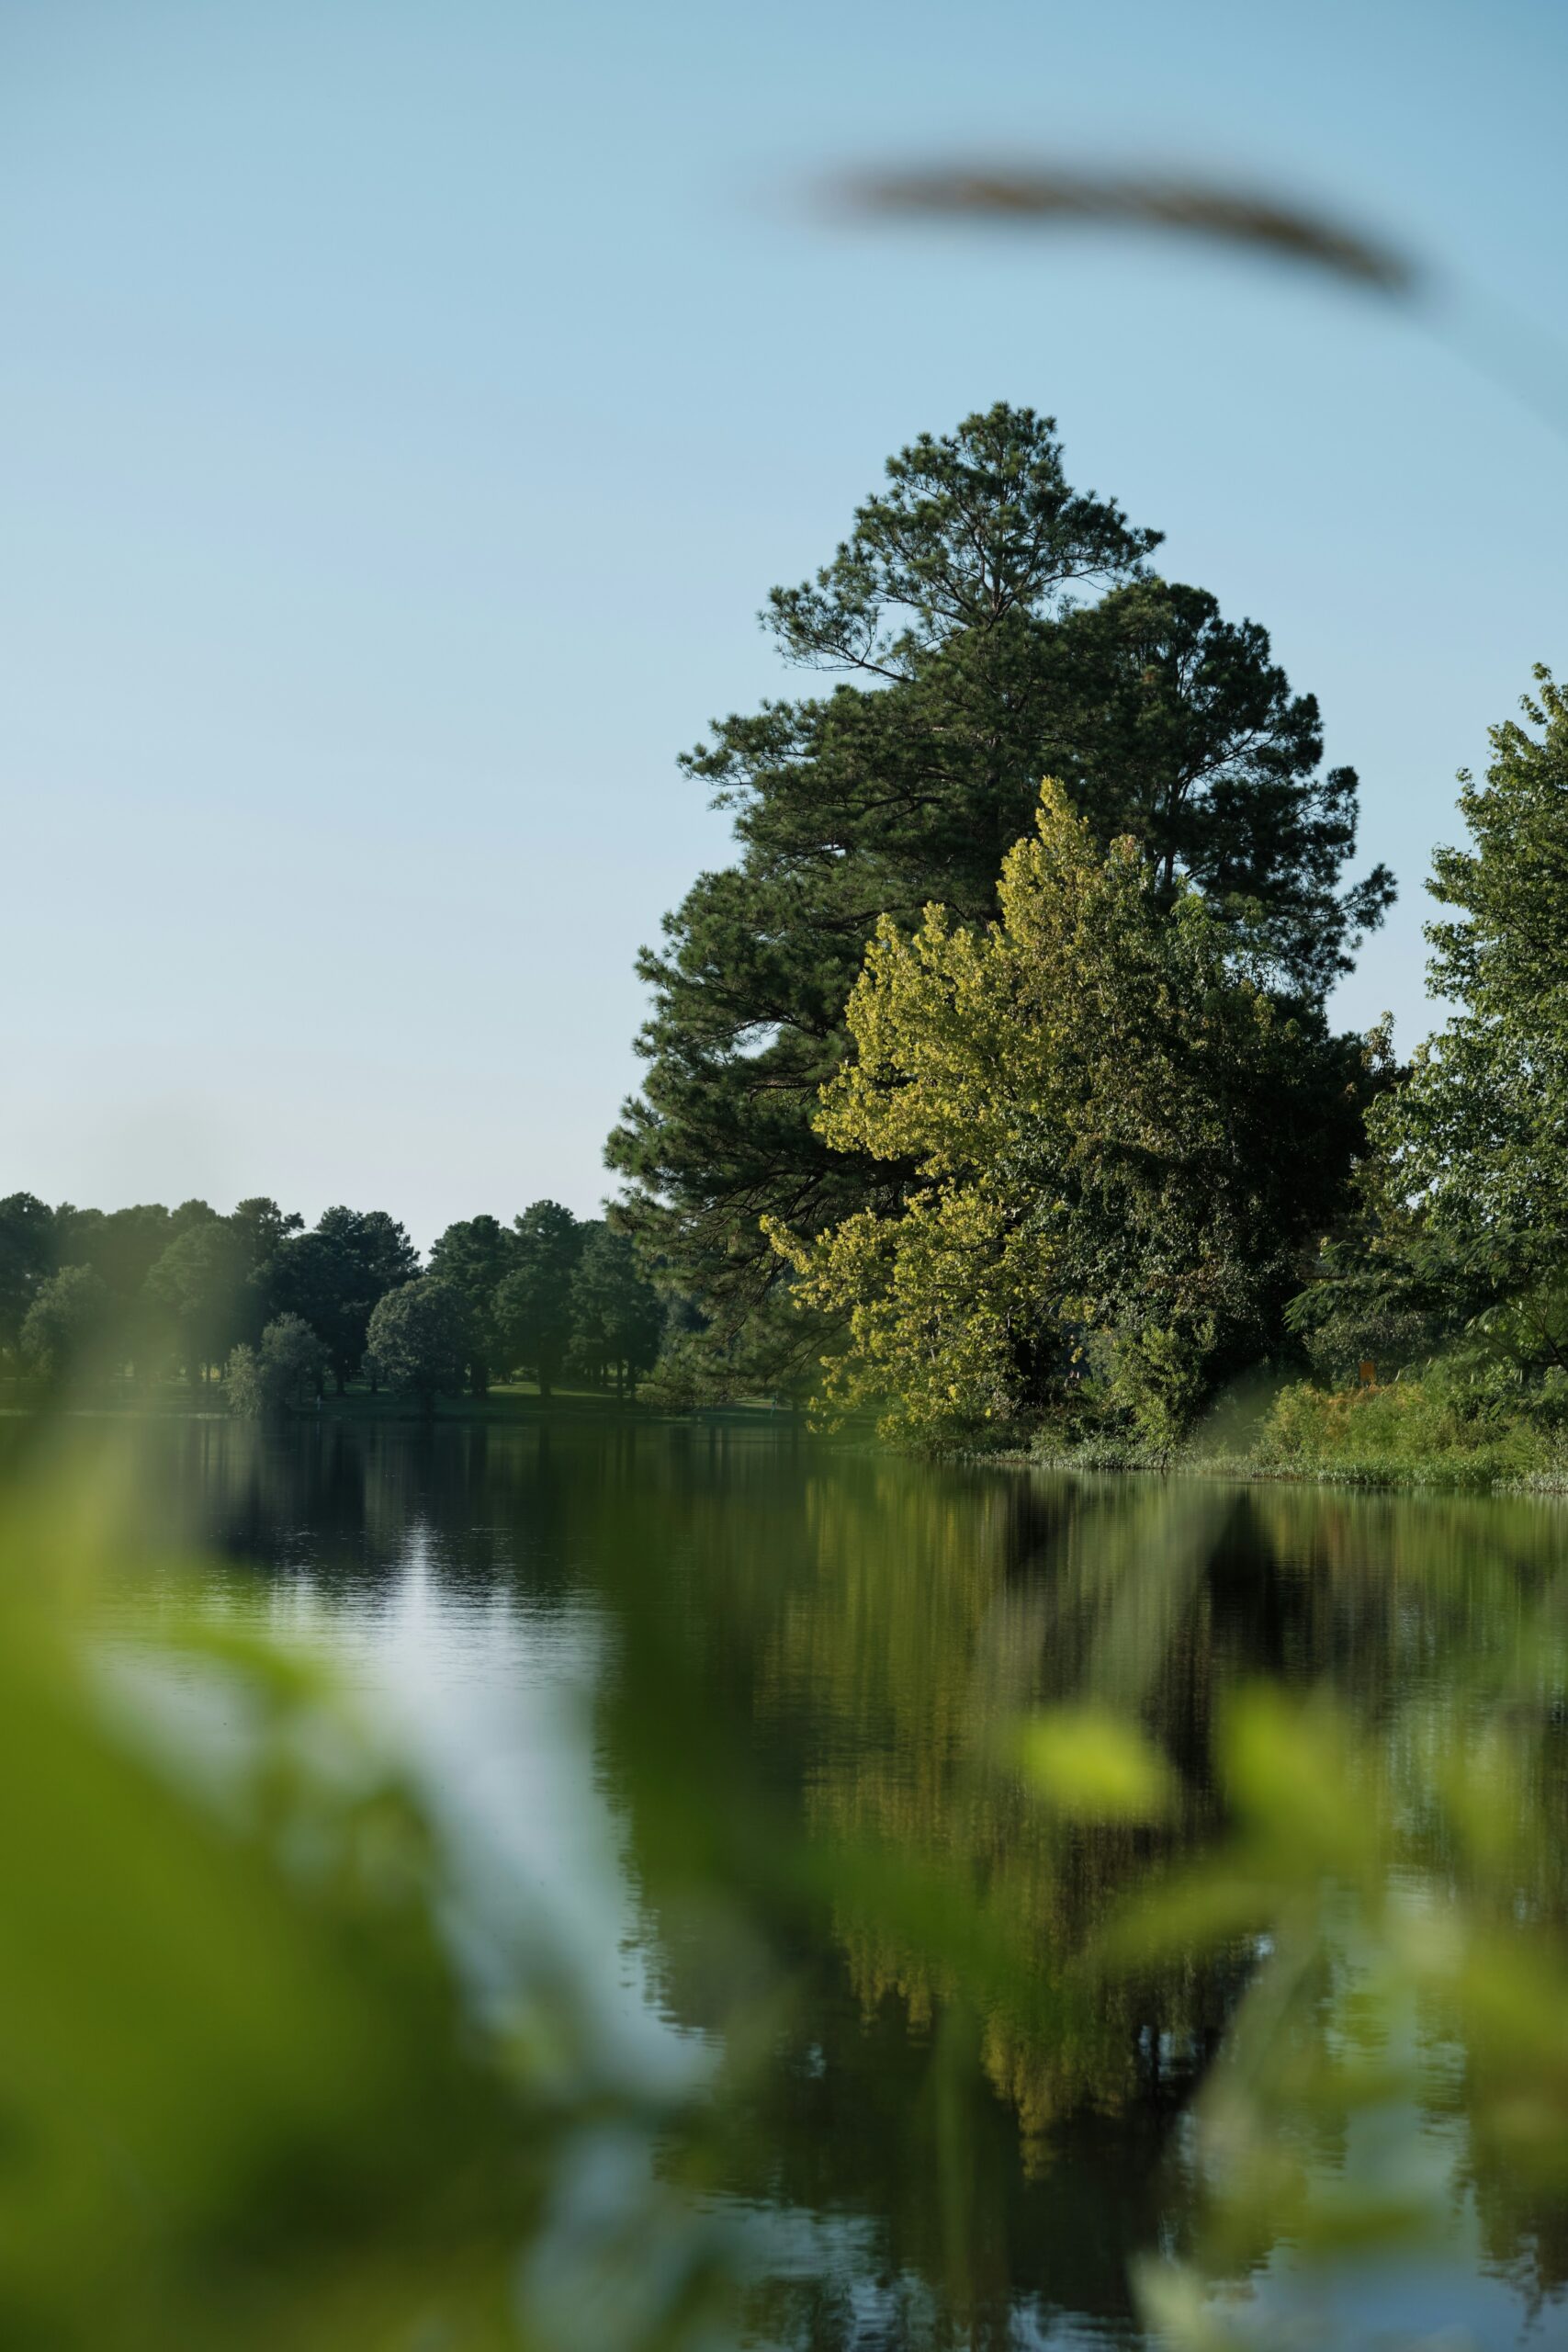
(146, 1293)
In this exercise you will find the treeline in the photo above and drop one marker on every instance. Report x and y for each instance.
(277, 1311)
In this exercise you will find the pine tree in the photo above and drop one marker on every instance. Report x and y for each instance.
(969, 669)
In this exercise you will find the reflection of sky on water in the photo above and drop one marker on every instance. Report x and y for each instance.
(488, 1697)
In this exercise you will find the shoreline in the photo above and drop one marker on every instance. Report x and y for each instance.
(1455, 1474)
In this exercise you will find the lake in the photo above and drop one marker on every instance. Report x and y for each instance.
(728, 1715)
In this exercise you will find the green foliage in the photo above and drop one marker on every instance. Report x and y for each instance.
(533, 1303)
(245, 2097)
(1172, 725)
(1120, 1145)
(333, 1275)
(194, 1285)
(1086, 1763)
(29, 1245)
(1479, 1132)
(246, 1391)
(120, 1245)
(419, 1339)
(67, 1317)
(262, 1229)
(288, 1364)
(199, 1288)
(473, 1257)
(617, 1316)
(1456, 1245)
(970, 671)
(1462, 1421)
(1398, 1935)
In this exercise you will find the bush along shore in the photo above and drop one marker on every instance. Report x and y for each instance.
(1448, 1425)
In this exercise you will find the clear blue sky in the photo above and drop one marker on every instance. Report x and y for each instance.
(405, 409)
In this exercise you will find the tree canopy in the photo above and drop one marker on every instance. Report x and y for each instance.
(618, 1316)
(199, 1286)
(286, 1362)
(546, 1294)
(1122, 1145)
(968, 666)
(333, 1275)
(534, 1301)
(1463, 1223)
(29, 1245)
(67, 1315)
(474, 1256)
(419, 1338)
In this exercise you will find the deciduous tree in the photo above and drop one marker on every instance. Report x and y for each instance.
(616, 1314)
(29, 1243)
(533, 1303)
(120, 1245)
(199, 1288)
(1122, 1144)
(333, 1275)
(67, 1315)
(285, 1365)
(418, 1338)
(475, 1256)
(1467, 1229)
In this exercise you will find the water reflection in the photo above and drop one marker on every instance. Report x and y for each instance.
(737, 1709)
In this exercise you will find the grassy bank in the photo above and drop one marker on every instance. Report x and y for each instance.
(512, 1403)
(1445, 1429)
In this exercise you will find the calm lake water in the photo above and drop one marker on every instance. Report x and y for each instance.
(593, 1634)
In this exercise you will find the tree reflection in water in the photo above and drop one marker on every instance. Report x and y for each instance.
(984, 2042)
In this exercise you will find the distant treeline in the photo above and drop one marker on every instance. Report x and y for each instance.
(148, 1292)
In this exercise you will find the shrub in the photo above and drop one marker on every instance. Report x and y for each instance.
(290, 1362)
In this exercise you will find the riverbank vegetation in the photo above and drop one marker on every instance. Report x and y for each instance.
(1072, 1152)
(1070, 1156)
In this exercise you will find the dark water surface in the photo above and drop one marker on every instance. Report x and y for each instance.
(596, 1635)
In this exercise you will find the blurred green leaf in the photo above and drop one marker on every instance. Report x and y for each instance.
(1089, 1764)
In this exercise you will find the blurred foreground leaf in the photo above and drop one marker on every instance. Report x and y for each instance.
(1089, 1764)
(243, 2098)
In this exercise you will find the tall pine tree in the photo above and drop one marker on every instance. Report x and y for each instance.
(990, 625)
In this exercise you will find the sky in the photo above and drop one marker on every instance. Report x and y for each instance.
(405, 409)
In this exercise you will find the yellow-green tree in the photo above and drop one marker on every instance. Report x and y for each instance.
(1120, 1142)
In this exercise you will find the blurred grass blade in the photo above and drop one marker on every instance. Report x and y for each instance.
(1060, 195)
